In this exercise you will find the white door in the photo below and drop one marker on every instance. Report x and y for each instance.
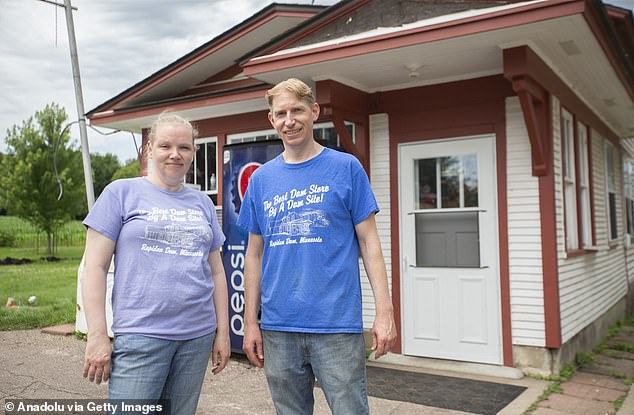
(449, 250)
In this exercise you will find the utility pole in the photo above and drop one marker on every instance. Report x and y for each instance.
(80, 316)
(79, 99)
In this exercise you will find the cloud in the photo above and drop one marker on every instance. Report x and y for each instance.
(120, 43)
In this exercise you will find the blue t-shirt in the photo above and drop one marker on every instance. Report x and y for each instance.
(306, 214)
(162, 284)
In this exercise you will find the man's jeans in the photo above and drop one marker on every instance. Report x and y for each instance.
(149, 369)
(292, 361)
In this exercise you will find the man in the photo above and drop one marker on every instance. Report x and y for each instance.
(309, 213)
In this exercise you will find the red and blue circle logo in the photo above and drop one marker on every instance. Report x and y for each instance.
(244, 176)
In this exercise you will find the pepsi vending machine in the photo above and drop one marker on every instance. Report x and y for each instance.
(239, 163)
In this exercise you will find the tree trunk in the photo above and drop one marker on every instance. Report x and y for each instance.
(49, 242)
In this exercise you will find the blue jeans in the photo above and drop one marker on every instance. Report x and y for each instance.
(292, 362)
(148, 369)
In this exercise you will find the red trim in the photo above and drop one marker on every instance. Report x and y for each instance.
(395, 242)
(341, 103)
(409, 37)
(550, 272)
(352, 7)
(432, 112)
(273, 14)
(533, 100)
(592, 18)
(122, 115)
(523, 62)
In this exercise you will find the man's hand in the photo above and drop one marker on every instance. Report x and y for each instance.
(383, 335)
(252, 344)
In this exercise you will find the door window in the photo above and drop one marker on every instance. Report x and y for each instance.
(446, 211)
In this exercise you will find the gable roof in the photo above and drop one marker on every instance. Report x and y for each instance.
(372, 45)
(218, 56)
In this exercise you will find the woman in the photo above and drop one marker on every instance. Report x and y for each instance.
(169, 297)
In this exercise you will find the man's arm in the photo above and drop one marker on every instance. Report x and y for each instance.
(252, 345)
(222, 345)
(384, 328)
(97, 258)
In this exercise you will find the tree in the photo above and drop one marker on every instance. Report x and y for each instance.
(103, 167)
(28, 185)
(131, 168)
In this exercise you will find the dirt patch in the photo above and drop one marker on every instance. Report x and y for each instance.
(15, 261)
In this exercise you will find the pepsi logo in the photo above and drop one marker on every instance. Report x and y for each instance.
(244, 176)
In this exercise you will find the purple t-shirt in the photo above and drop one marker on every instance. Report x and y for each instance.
(162, 278)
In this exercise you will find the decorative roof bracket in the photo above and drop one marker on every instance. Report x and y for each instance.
(534, 101)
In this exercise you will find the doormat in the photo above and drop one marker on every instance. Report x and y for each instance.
(475, 396)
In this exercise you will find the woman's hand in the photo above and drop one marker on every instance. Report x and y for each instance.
(221, 352)
(97, 359)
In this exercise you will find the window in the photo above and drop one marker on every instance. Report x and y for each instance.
(628, 189)
(204, 171)
(570, 188)
(584, 186)
(324, 133)
(610, 178)
(446, 209)
(575, 143)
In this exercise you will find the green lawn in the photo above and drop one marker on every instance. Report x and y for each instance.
(53, 283)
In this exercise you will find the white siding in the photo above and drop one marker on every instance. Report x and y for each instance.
(589, 284)
(524, 230)
(380, 180)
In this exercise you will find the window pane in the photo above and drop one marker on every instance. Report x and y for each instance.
(447, 239)
(610, 168)
(572, 236)
(612, 207)
(567, 141)
(199, 161)
(470, 180)
(211, 166)
(450, 182)
(425, 182)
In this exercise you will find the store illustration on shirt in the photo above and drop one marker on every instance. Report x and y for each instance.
(185, 229)
(177, 236)
(294, 214)
(294, 223)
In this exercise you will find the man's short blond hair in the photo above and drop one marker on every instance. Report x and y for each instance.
(295, 87)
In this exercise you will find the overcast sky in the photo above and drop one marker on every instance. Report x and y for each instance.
(120, 42)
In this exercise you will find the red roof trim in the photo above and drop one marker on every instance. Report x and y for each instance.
(262, 17)
(121, 115)
(446, 30)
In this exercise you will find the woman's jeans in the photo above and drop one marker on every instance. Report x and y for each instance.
(292, 361)
(148, 369)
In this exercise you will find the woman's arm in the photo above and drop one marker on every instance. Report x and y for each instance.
(222, 346)
(97, 258)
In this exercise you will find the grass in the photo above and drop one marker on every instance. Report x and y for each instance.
(16, 232)
(53, 283)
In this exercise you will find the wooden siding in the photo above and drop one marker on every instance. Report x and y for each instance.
(524, 230)
(380, 180)
(589, 284)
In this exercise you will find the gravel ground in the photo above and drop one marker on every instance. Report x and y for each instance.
(34, 365)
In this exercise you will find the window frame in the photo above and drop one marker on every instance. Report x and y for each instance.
(579, 231)
(569, 178)
(584, 187)
(612, 222)
(201, 143)
(271, 134)
(628, 195)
